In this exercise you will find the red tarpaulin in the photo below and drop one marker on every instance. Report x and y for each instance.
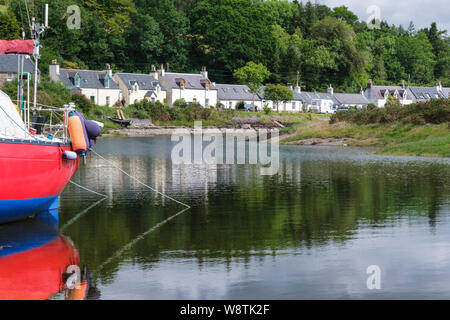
(16, 46)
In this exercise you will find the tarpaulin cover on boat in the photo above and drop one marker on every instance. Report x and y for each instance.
(16, 46)
(11, 124)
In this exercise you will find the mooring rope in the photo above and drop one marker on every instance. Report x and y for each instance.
(141, 236)
(130, 244)
(137, 180)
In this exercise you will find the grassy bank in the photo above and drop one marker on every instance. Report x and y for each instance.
(419, 129)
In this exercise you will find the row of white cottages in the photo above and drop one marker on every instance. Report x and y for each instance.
(123, 89)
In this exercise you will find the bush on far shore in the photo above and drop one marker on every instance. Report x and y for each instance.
(434, 111)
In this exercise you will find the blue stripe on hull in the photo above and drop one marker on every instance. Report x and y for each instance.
(13, 210)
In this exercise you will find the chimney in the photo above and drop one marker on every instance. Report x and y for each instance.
(298, 89)
(290, 87)
(54, 70)
(330, 90)
(361, 91)
(439, 86)
(161, 71)
(108, 70)
(369, 85)
(154, 73)
(403, 84)
(204, 73)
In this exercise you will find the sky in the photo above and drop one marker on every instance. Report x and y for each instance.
(421, 12)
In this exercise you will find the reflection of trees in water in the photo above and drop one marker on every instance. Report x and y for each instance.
(237, 213)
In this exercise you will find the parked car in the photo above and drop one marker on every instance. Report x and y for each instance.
(342, 108)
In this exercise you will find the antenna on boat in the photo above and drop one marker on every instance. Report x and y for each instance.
(37, 30)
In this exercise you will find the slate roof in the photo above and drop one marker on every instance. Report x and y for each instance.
(425, 93)
(144, 81)
(89, 79)
(351, 98)
(307, 97)
(8, 63)
(193, 81)
(234, 92)
(377, 92)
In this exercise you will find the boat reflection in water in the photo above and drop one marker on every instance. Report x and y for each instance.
(37, 262)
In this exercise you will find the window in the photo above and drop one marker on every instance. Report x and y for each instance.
(77, 80)
(9, 76)
(206, 102)
(92, 99)
(230, 104)
(153, 100)
(107, 100)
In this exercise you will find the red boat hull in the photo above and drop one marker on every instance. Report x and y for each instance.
(32, 175)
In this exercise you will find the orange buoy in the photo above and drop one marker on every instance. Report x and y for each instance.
(77, 134)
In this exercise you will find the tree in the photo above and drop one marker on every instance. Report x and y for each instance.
(9, 26)
(144, 41)
(278, 93)
(228, 33)
(342, 13)
(253, 75)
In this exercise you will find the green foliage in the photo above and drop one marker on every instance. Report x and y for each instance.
(253, 75)
(278, 93)
(433, 111)
(179, 102)
(83, 104)
(9, 26)
(322, 45)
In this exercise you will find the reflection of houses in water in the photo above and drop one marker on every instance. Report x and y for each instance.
(169, 178)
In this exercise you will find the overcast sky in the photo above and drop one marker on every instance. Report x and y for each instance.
(421, 12)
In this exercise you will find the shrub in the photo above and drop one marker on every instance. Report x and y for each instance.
(83, 104)
(179, 102)
(434, 111)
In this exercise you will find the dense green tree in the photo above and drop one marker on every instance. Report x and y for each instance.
(342, 13)
(253, 75)
(9, 26)
(228, 33)
(278, 93)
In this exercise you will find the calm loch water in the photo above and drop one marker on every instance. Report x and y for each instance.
(309, 232)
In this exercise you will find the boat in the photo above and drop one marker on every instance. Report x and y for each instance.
(122, 122)
(36, 167)
(37, 262)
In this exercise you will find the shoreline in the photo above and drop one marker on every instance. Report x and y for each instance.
(286, 138)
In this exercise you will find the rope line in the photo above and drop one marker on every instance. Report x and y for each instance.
(130, 244)
(141, 236)
(137, 180)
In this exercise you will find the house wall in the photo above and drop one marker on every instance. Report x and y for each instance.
(382, 102)
(101, 94)
(130, 96)
(190, 94)
(231, 104)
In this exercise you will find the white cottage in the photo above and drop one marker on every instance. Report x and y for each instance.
(98, 86)
(195, 88)
(136, 87)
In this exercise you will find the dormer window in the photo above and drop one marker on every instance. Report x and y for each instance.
(77, 80)
(181, 83)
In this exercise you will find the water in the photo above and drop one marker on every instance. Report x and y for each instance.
(309, 232)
